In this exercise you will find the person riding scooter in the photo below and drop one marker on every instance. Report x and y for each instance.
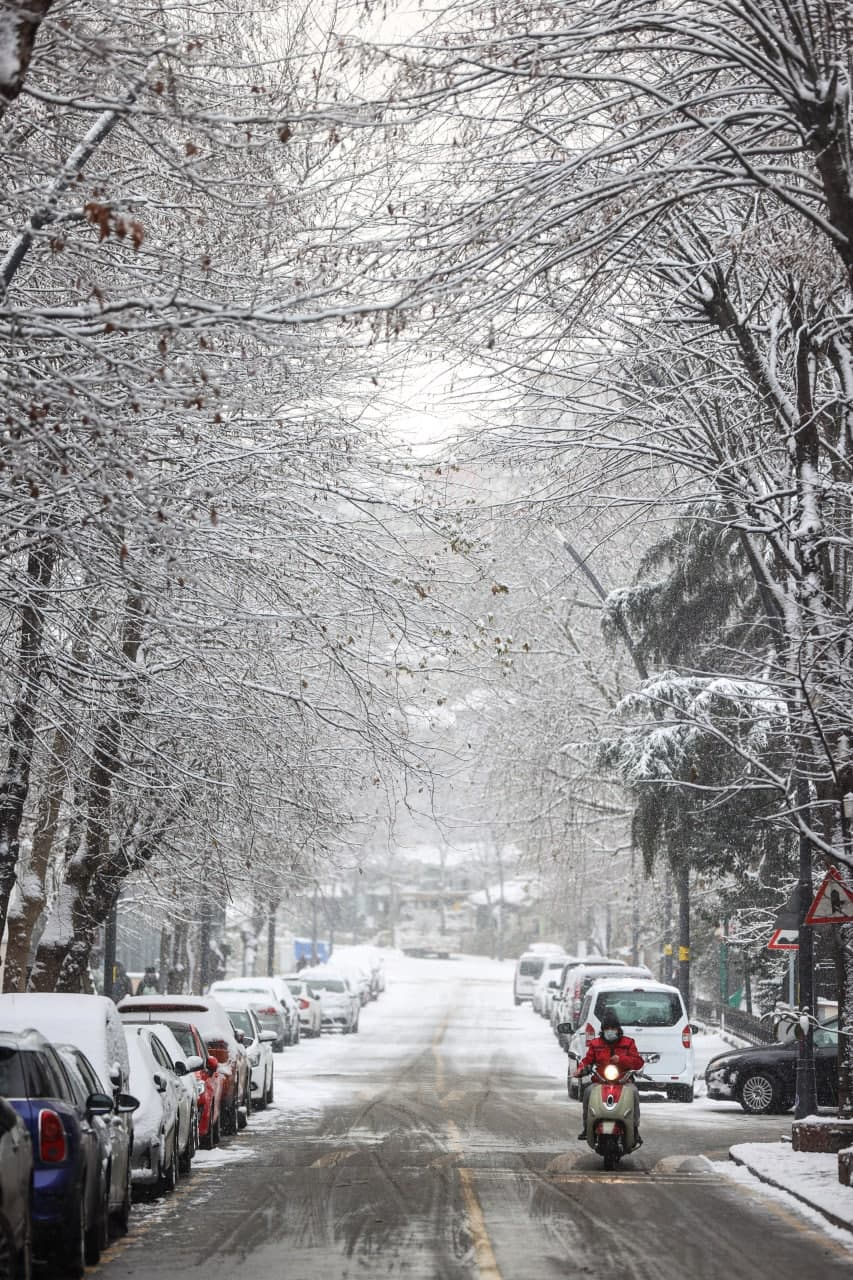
(611, 1045)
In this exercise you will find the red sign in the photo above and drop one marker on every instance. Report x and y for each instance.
(784, 940)
(833, 903)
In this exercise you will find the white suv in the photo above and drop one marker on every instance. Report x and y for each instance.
(653, 1014)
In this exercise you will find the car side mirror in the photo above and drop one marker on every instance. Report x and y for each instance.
(126, 1104)
(99, 1104)
(694, 1028)
(194, 1063)
(212, 1064)
(267, 1037)
(180, 1068)
(240, 1037)
(564, 1028)
(159, 1083)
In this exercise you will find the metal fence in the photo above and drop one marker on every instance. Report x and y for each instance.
(746, 1025)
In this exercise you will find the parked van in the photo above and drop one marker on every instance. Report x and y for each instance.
(529, 968)
(92, 1025)
(653, 1014)
(581, 978)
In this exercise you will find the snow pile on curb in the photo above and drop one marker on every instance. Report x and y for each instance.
(810, 1176)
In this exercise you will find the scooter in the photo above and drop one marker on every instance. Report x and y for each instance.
(610, 1117)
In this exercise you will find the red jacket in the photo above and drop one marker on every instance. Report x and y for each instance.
(624, 1052)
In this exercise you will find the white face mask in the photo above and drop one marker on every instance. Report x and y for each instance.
(610, 1036)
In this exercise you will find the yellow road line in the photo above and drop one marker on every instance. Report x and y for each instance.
(484, 1254)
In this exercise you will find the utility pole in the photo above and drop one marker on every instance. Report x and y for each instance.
(203, 947)
(806, 1100)
(271, 938)
(110, 938)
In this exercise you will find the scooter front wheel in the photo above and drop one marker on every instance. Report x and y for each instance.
(609, 1150)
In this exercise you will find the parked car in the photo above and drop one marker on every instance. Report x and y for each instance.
(69, 1190)
(163, 1040)
(155, 1148)
(16, 1175)
(547, 981)
(355, 964)
(208, 1015)
(653, 1014)
(209, 1081)
(258, 1045)
(85, 1084)
(309, 1002)
(579, 980)
(564, 990)
(275, 990)
(340, 1003)
(763, 1079)
(92, 1025)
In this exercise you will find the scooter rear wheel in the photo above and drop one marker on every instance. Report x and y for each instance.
(610, 1151)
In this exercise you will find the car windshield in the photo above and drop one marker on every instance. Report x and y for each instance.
(531, 968)
(641, 1008)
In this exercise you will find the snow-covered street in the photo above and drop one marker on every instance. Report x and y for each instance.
(440, 1142)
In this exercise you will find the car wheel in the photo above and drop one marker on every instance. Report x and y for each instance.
(92, 1243)
(216, 1127)
(229, 1119)
(271, 1089)
(25, 1259)
(74, 1262)
(168, 1179)
(121, 1217)
(9, 1264)
(759, 1094)
(355, 1027)
(185, 1159)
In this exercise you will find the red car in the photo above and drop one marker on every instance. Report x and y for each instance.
(210, 1081)
(207, 1015)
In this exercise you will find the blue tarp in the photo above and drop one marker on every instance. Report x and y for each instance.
(313, 952)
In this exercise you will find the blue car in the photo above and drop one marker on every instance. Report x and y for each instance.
(68, 1208)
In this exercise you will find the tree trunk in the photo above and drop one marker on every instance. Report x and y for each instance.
(14, 785)
(63, 954)
(24, 916)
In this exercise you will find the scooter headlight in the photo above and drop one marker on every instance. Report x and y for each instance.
(611, 1071)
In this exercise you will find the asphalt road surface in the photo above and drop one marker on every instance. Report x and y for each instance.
(439, 1144)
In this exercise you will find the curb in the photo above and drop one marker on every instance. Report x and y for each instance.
(780, 1186)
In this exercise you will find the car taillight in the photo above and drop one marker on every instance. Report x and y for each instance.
(589, 1032)
(52, 1145)
(303, 1003)
(686, 1037)
(272, 1009)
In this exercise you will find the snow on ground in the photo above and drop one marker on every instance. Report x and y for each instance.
(804, 1180)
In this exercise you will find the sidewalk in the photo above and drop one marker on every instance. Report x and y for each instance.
(811, 1177)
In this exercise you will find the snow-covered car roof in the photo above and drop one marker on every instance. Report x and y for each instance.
(89, 1022)
(631, 984)
(205, 1012)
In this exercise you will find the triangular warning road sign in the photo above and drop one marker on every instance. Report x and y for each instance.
(833, 902)
(784, 940)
